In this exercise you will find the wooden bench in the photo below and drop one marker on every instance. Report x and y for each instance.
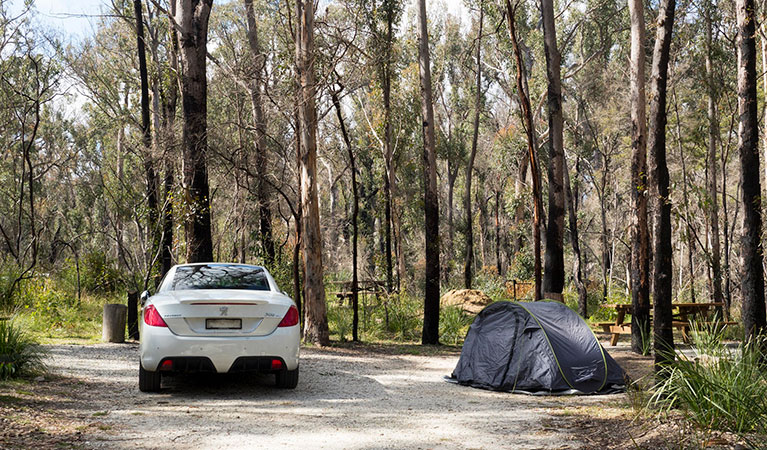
(615, 330)
(684, 327)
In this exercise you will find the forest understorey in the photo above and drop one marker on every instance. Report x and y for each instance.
(350, 396)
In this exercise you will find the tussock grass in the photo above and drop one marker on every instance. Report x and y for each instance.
(721, 387)
(19, 352)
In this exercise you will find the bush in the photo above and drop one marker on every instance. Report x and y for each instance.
(721, 388)
(19, 353)
(97, 276)
(523, 265)
(453, 324)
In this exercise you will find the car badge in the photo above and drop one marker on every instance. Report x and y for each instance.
(224, 310)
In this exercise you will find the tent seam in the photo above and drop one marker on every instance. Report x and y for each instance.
(601, 350)
(556, 360)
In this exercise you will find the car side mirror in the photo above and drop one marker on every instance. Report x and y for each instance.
(144, 296)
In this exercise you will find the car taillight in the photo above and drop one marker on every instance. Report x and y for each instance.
(291, 318)
(152, 317)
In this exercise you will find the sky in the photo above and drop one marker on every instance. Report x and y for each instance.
(74, 19)
(77, 19)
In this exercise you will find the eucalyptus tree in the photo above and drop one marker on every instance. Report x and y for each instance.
(554, 273)
(469, 252)
(431, 206)
(191, 20)
(640, 251)
(752, 284)
(316, 325)
(659, 179)
(261, 149)
(528, 124)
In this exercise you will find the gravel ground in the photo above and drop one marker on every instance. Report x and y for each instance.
(358, 397)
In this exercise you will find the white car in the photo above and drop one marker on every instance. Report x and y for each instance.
(218, 317)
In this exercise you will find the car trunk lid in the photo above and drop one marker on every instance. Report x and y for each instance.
(218, 312)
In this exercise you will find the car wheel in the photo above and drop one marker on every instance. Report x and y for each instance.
(287, 379)
(148, 381)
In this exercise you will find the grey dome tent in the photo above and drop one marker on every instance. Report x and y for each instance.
(539, 348)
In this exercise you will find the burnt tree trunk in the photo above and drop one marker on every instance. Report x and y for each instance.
(752, 252)
(386, 77)
(355, 212)
(554, 273)
(192, 23)
(662, 259)
(169, 130)
(146, 138)
(430, 333)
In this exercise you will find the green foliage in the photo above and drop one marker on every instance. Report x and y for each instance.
(340, 321)
(8, 274)
(282, 272)
(492, 285)
(49, 312)
(398, 317)
(19, 353)
(97, 275)
(453, 325)
(523, 265)
(721, 388)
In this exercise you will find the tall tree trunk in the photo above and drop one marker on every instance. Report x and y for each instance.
(431, 200)
(640, 250)
(316, 322)
(519, 210)
(726, 291)
(662, 270)
(355, 211)
(169, 141)
(386, 76)
(146, 139)
(752, 252)
(713, 138)
(577, 272)
(469, 256)
(527, 121)
(554, 273)
(121, 178)
(192, 19)
(298, 267)
(257, 105)
(452, 176)
(763, 34)
(498, 265)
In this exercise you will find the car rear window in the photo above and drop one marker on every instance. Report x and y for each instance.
(220, 276)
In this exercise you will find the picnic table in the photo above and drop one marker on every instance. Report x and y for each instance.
(343, 289)
(682, 313)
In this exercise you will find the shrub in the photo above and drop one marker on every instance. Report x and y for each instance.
(721, 388)
(522, 267)
(97, 276)
(19, 353)
(453, 324)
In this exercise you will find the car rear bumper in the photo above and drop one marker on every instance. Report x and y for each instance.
(159, 343)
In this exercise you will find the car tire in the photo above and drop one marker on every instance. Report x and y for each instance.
(148, 381)
(287, 379)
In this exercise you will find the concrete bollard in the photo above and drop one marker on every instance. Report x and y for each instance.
(113, 323)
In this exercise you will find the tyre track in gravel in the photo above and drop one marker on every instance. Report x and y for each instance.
(346, 398)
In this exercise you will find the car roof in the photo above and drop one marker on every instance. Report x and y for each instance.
(214, 264)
